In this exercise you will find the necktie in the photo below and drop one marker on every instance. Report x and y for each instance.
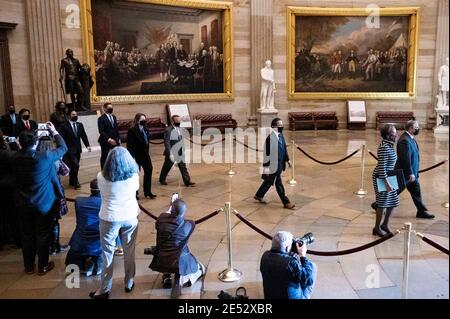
(111, 120)
(75, 128)
(13, 119)
(27, 125)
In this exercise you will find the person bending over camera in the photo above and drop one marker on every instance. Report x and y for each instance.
(172, 255)
(287, 275)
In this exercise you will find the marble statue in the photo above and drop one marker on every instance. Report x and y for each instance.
(267, 87)
(443, 86)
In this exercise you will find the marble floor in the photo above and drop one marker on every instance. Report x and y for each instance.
(325, 205)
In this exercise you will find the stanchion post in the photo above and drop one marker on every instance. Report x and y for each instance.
(230, 170)
(361, 191)
(406, 247)
(292, 181)
(445, 205)
(230, 274)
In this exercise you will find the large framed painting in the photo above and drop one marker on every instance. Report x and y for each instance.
(159, 50)
(352, 53)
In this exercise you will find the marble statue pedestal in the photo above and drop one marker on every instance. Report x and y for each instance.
(89, 120)
(265, 116)
(442, 121)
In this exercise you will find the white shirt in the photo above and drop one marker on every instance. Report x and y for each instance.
(410, 135)
(118, 199)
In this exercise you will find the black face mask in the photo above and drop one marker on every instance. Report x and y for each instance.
(74, 118)
(12, 111)
(392, 138)
(280, 129)
(177, 124)
(109, 110)
(142, 123)
(26, 117)
(62, 108)
(416, 131)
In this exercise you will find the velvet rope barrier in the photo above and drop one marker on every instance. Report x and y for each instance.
(157, 143)
(323, 253)
(327, 163)
(420, 171)
(432, 243)
(247, 146)
(204, 144)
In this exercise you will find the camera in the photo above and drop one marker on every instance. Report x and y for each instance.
(11, 139)
(307, 238)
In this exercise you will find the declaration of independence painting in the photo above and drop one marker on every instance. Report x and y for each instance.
(349, 54)
(145, 48)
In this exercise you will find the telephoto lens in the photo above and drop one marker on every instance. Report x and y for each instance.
(307, 238)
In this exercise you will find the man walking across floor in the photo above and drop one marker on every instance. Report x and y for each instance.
(275, 159)
(72, 132)
(409, 160)
(109, 132)
(174, 152)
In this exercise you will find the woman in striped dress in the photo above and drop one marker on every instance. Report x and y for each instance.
(386, 200)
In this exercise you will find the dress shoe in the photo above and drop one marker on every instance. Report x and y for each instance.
(118, 252)
(46, 269)
(59, 249)
(77, 186)
(289, 206)
(190, 184)
(129, 289)
(167, 283)
(30, 270)
(163, 182)
(378, 232)
(386, 229)
(101, 296)
(374, 206)
(151, 196)
(424, 215)
(259, 199)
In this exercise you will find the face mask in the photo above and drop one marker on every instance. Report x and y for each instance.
(392, 138)
(109, 110)
(416, 131)
(74, 118)
(26, 117)
(62, 108)
(12, 111)
(280, 129)
(142, 123)
(176, 124)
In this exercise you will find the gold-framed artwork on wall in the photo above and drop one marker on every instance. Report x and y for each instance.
(158, 50)
(352, 53)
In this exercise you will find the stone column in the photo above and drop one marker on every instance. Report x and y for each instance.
(261, 16)
(45, 42)
(442, 34)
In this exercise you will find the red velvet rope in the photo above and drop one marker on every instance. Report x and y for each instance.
(327, 163)
(422, 170)
(435, 245)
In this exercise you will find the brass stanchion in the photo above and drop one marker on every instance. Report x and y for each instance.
(407, 228)
(292, 181)
(230, 170)
(446, 205)
(361, 191)
(230, 274)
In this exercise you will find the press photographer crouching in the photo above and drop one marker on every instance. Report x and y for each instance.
(287, 274)
(171, 254)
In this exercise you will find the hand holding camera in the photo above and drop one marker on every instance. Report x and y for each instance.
(299, 244)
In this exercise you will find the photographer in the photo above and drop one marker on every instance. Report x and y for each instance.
(287, 275)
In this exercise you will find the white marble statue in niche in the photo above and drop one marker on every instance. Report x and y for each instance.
(443, 86)
(267, 87)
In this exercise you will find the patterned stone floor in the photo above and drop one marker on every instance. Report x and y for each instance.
(325, 205)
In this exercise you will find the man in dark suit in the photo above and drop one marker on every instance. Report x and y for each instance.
(25, 124)
(138, 144)
(35, 197)
(85, 248)
(409, 160)
(174, 152)
(109, 132)
(172, 252)
(72, 132)
(8, 121)
(275, 159)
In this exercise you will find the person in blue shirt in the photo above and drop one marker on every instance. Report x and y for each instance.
(287, 275)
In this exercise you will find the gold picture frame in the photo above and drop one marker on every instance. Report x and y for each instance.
(293, 91)
(226, 9)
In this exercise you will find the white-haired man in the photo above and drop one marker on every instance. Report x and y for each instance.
(287, 275)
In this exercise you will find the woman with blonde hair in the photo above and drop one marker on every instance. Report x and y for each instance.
(118, 183)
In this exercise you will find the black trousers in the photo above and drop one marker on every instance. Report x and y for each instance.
(35, 228)
(265, 186)
(105, 151)
(416, 195)
(73, 161)
(166, 169)
(147, 166)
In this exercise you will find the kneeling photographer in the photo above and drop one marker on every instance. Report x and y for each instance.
(286, 272)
